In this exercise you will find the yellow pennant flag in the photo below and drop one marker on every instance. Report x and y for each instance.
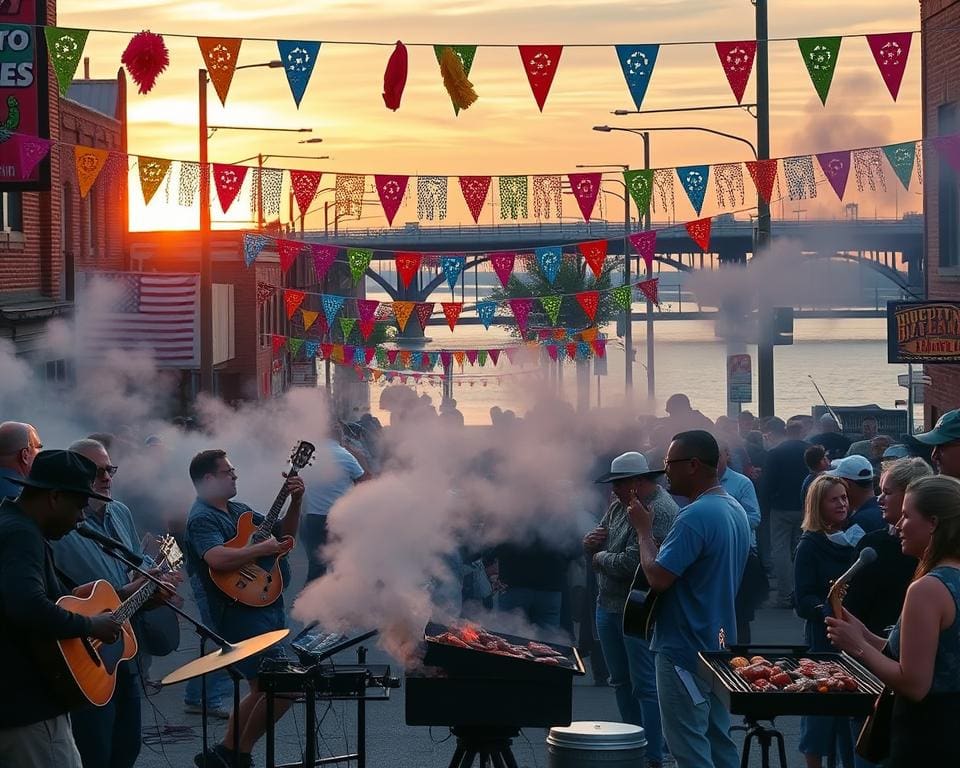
(589, 335)
(89, 163)
(309, 318)
(153, 170)
(337, 354)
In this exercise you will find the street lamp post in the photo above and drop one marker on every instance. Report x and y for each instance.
(765, 390)
(261, 159)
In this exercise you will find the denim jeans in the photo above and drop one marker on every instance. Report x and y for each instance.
(109, 736)
(785, 535)
(827, 737)
(313, 532)
(219, 685)
(541, 608)
(633, 677)
(698, 735)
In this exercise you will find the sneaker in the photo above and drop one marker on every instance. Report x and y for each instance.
(219, 711)
(221, 757)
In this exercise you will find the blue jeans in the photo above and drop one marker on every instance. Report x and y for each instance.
(827, 737)
(109, 736)
(541, 608)
(219, 685)
(698, 735)
(633, 677)
(856, 725)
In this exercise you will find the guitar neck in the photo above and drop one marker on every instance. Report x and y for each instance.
(135, 602)
(265, 530)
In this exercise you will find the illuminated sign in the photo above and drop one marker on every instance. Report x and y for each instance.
(923, 332)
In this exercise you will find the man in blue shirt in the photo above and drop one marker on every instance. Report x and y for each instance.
(857, 475)
(697, 571)
(19, 443)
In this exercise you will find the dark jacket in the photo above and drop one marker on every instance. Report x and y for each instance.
(783, 473)
(30, 620)
(818, 562)
(868, 516)
(536, 565)
(877, 593)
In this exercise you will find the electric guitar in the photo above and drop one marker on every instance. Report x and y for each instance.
(84, 669)
(258, 584)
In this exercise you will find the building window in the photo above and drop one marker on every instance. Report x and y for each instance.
(12, 211)
(948, 193)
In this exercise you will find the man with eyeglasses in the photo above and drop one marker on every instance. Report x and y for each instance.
(19, 443)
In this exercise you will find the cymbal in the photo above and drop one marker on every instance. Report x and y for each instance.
(221, 657)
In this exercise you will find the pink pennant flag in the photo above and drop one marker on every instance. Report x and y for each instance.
(288, 250)
(391, 190)
(494, 356)
(323, 257)
(503, 265)
(540, 63)
(599, 347)
(552, 351)
(367, 309)
(645, 244)
(585, 187)
(471, 356)
(836, 166)
(595, 254)
(737, 61)
(949, 149)
(649, 288)
(32, 150)
(348, 354)
(445, 359)
(891, 51)
(699, 230)
(392, 355)
(511, 354)
(521, 311)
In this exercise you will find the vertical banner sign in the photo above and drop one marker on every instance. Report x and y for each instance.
(24, 106)
(739, 379)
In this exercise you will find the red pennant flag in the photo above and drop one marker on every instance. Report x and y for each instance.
(391, 190)
(305, 185)
(452, 309)
(366, 328)
(228, 179)
(494, 355)
(288, 250)
(279, 342)
(572, 351)
(407, 266)
(368, 354)
(445, 359)
(552, 351)
(292, 300)
(540, 63)
(264, 292)
(590, 301)
(475, 189)
(392, 355)
(326, 351)
(764, 175)
(323, 257)
(472, 356)
(594, 253)
(424, 312)
(586, 187)
(503, 265)
(699, 230)
(890, 52)
(521, 311)
(645, 244)
(649, 288)
(737, 61)
(599, 347)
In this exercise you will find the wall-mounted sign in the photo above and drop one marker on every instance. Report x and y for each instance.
(739, 379)
(923, 332)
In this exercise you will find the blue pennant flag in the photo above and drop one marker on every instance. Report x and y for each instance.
(452, 266)
(548, 259)
(694, 180)
(298, 57)
(583, 350)
(310, 347)
(485, 311)
(331, 307)
(252, 245)
(358, 356)
(434, 359)
(638, 62)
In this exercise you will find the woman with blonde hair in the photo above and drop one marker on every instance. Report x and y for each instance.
(921, 659)
(823, 554)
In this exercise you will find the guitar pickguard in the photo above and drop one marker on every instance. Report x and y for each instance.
(111, 653)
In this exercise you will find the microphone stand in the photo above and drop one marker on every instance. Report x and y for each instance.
(205, 633)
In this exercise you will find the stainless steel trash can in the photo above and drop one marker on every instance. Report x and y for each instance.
(585, 744)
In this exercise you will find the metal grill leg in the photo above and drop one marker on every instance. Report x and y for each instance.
(468, 757)
(497, 758)
(457, 757)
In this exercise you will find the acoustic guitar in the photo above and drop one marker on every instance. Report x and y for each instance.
(258, 584)
(85, 669)
(640, 609)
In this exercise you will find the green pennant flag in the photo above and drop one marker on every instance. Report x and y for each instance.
(466, 54)
(346, 325)
(359, 260)
(820, 55)
(294, 346)
(551, 305)
(65, 48)
(902, 158)
(640, 184)
(623, 296)
(482, 357)
(381, 355)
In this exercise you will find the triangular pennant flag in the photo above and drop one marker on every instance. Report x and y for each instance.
(331, 306)
(452, 310)
(764, 175)
(407, 266)
(485, 311)
(377, 375)
(820, 57)
(551, 305)
(548, 260)
(511, 353)
(405, 355)
(310, 348)
(737, 61)
(279, 342)
(590, 301)
(367, 309)
(540, 63)
(637, 62)
(434, 359)
(891, 51)
(309, 317)
(305, 185)
(89, 162)
(359, 260)
(32, 150)
(391, 190)
(552, 351)
(949, 149)
(368, 355)
(836, 166)
(599, 347)
(445, 359)
(347, 324)
(152, 171)
(589, 334)
(595, 254)
(585, 188)
(459, 356)
(349, 353)
(227, 180)
(326, 351)
(645, 244)
(252, 245)
(693, 179)
(366, 328)
(381, 355)
(294, 345)
(521, 311)
(220, 56)
(699, 230)
(65, 49)
(494, 356)
(572, 350)
(462, 92)
(292, 299)
(402, 311)
(622, 296)
(299, 58)
(503, 262)
(264, 293)
(901, 158)
(475, 190)
(649, 288)
(640, 185)
(583, 350)
(288, 250)
(481, 357)
(452, 266)
(323, 257)
(424, 311)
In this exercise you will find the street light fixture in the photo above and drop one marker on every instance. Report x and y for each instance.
(747, 107)
(310, 141)
(641, 131)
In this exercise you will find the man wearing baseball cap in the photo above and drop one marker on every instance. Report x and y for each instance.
(34, 725)
(945, 439)
(856, 472)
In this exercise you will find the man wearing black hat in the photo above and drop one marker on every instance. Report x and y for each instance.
(34, 727)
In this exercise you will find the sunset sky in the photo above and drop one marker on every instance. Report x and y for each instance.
(504, 133)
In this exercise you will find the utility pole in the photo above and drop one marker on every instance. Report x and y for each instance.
(628, 312)
(206, 268)
(651, 374)
(260, 192)
(765, 392)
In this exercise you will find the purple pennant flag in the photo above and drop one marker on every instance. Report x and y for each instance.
(836, 166)
(445, 358)
(323, 257)
(949, 149)
(645, 244)
(32, 150)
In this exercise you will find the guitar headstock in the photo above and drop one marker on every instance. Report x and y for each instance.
(838, 591)
(302, 455)
(170, 553)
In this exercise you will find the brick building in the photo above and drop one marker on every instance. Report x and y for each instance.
(940, 20)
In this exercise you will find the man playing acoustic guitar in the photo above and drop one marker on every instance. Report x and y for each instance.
(212, 523)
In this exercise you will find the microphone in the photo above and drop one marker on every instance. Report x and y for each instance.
(867, 556)
(109, 543)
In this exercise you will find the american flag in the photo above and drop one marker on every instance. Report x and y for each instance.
(136, 311)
